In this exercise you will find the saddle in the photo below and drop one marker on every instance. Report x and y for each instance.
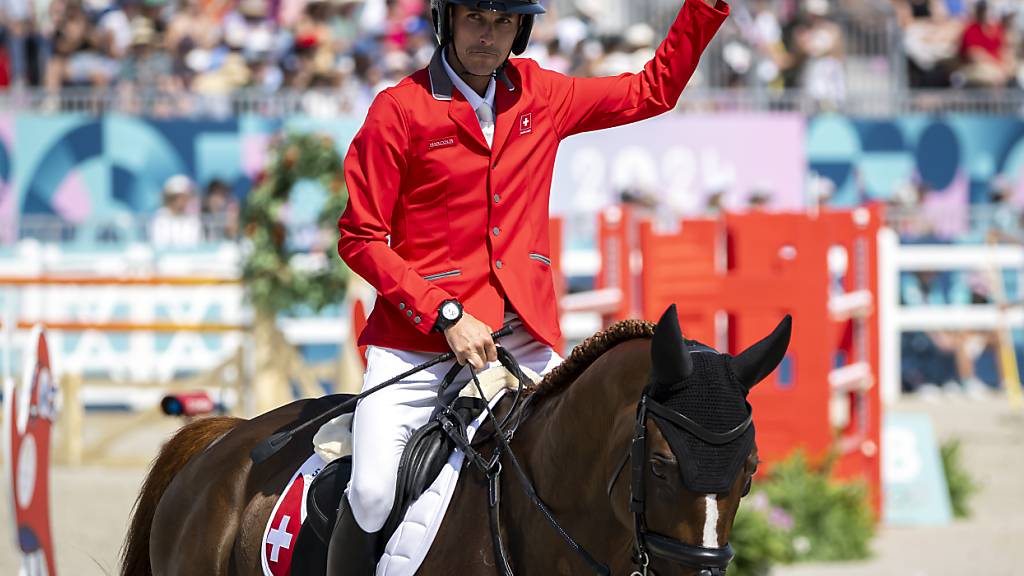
(424, 456)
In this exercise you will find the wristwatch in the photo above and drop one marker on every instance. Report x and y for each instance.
(448, 314)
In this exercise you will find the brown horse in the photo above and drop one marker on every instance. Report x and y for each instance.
(204, 505)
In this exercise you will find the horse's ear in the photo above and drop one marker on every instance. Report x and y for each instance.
(755, 363)
(670, 358)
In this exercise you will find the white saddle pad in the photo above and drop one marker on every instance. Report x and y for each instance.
(411, 541)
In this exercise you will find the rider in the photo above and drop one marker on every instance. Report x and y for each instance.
(447, 216)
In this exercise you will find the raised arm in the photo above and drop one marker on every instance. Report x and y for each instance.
(584, 104)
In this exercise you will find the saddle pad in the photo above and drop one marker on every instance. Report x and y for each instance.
(279, 537)
(411, 541)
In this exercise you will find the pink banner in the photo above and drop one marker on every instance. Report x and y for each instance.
(680, 160)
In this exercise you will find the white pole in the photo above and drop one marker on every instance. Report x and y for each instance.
(888, 311)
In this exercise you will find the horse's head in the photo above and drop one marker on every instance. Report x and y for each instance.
(693, 453)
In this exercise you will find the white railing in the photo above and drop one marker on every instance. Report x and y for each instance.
(140, 313)
(895, 319)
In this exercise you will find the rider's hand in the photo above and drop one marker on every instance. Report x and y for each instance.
(471, 341)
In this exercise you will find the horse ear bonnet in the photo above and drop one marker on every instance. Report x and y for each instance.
(711, 395)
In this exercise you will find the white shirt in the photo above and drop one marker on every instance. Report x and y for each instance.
(474, 99)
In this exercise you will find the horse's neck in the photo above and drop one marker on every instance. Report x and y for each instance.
(596, 411)
(572, 444)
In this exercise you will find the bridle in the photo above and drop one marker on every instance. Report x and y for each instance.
(647, 544)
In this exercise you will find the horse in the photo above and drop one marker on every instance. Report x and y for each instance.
(637, 393)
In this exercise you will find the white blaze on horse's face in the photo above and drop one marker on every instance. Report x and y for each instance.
(711, 521)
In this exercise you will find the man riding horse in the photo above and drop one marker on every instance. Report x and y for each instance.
(448, 182)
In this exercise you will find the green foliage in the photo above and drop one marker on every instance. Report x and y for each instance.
(831, 520)
(761, 536)
(799, 513)
(277, 280)
(958, 479)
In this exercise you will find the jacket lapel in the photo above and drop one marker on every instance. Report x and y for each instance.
(464, 116)
(507, 100)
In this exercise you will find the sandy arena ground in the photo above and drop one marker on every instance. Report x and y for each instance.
(91, 506)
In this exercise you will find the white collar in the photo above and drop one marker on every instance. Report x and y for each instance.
(472, 97)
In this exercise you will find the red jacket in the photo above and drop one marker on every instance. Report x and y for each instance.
(434, 213)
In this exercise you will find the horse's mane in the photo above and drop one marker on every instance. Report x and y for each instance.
(584, 354)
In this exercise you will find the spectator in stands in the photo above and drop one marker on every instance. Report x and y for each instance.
(766, 37)
(189, 30)
(985, 55)
(220, 212)
(820, 49)
(146, 71)
(1001, 221)
(89, 40)
(344, 24)
(5, 65)
(175, 224)
(16, 30)
(925, 363)
(931, 41)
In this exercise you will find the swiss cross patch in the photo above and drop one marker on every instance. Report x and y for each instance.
(282, 530)
(526, 123)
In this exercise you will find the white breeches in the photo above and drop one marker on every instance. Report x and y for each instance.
(385, 420)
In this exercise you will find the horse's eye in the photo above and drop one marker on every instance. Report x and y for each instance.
(658, 469)
(659, 463)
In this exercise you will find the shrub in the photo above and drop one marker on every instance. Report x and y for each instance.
(961, 485)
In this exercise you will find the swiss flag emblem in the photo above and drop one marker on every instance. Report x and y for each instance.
(279, 541)
(282, 531)
(526, 123)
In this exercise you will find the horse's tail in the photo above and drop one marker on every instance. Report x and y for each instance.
(187, 442)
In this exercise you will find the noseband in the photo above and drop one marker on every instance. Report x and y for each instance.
(647, 544)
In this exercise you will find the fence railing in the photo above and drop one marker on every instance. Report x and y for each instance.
(293, 103)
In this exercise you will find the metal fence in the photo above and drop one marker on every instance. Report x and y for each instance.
(697, 98)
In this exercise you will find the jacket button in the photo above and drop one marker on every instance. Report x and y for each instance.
(499, 264)
(497, 198)
(408, 313)
(417, 319)
(496, 230)
(401, 306)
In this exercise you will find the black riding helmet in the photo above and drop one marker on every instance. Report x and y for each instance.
(439, 12)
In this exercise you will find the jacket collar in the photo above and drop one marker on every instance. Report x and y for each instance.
(441, 85)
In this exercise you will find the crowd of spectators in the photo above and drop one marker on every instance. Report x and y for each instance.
(786, 45)
(354, 48)
(212, 47)
(349, 49)
(961, 43)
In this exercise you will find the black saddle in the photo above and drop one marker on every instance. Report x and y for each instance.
(424, 456)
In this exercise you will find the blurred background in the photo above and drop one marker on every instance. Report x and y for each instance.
(170, 173)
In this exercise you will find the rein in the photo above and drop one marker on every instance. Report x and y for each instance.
(708, 561)
(272, 445)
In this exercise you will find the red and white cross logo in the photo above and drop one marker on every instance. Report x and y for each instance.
(526, 123)
(279, 538)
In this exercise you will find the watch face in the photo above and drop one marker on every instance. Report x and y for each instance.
(450, 311)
